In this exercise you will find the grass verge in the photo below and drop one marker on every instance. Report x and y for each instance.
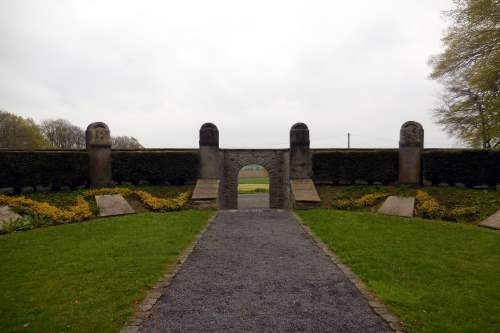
(88, 277)
(436, 276)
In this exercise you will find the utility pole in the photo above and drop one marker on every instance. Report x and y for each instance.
(348, 140)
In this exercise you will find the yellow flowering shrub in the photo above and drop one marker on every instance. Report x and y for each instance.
(343, 204)
(80, 211)
(370, 199)
(146, 198)
(427, 206)
(367, 200)
(462, 213)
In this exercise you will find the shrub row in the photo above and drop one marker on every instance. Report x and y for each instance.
(466, 166)
(43, 168)
(351, 165)
(155, 167)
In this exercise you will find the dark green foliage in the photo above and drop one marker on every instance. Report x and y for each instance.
(351, 165)
(35, 168)
(155, 167)
(469, 167)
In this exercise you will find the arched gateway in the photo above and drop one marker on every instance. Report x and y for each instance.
(289, 170)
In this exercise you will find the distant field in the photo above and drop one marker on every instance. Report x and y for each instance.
(254, 180)
(250, 185)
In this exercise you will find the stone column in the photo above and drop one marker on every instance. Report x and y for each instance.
(411, 145)
(98, 143)
(209, 152)
(300, 158)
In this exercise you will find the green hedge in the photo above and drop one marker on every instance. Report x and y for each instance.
(155, 167)
(43, 168)
(466, 166)
(351, 165)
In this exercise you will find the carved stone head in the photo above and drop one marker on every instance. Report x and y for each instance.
(299, 135)
(209, 135)
(97, 134)
(411, 135)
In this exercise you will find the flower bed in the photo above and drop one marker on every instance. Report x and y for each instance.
(41, 213)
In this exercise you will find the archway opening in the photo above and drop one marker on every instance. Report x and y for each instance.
(253, 187)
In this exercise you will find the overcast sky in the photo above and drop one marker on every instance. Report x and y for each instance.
(157, 70)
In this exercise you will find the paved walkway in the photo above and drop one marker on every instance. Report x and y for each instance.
(258, 271)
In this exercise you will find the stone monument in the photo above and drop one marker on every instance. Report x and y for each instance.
(209, 152)
(411, 145)
(98, 143)
(300, 158)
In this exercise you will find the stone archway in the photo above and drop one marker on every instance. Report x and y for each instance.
(275, 161)
(289, 170)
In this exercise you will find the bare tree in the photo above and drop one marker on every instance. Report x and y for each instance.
(125, 142)
(62, 134)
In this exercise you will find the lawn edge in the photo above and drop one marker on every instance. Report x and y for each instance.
(143, 310)
(376, 304)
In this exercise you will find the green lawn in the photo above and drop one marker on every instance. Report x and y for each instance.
(436, 276)
(88, 277)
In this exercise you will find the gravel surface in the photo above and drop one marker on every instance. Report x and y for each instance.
(258, 271)
(253, 201)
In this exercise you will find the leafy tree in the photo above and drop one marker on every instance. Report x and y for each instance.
(469, 68)
(62, 134)
(125, 142)
(19, 133)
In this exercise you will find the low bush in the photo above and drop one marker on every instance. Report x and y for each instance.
(367, 200)
(152, 202)
(428, 207)
(462, 214)
(39, 213)
(155, 167)
(351, 165)
(43, 168)
(466, 166)
(79, 212)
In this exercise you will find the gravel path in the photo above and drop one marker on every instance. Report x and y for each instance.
(253, 201)
(258, 271)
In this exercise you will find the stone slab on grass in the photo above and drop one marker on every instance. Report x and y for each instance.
(492, 222)
(303, 190)
(398, 206)
(113, 204)
(206, 189)
(7, 215)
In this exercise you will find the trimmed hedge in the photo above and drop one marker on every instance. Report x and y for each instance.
(155, 167)
(466, 166)
(350, 165)
(43, 168)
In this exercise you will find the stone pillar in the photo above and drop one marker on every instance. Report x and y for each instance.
(411, 145)
(300, 158)
(98, 143)
(209, 152)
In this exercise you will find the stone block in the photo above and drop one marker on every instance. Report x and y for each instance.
(398, 206)
(7, 215)
(113, 204)
(303, 190)
(492, 222)
(206, 189)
